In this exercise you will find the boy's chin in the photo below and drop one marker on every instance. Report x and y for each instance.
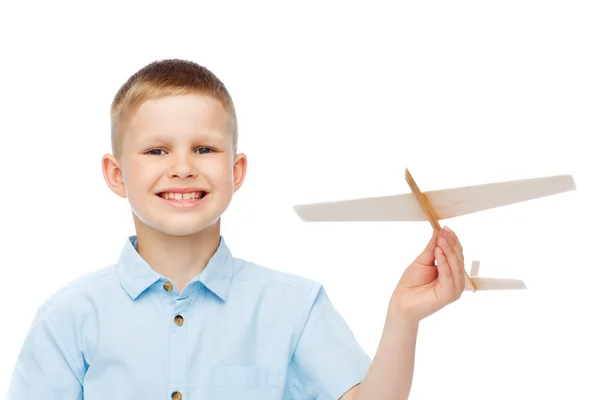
(183, 228)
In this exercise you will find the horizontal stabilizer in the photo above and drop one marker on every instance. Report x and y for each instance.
(496, 284)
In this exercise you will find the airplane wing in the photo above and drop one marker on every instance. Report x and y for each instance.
(446, 203)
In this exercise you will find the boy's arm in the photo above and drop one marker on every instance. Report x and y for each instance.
(391, 373)
(46, 367)
(434, 280)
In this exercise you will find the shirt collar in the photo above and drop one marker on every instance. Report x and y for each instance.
(136, 275)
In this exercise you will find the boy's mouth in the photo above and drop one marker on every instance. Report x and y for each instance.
(189, 196)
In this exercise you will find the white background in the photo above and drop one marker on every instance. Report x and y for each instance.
(334, 101)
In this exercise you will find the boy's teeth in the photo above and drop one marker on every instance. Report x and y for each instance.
(181, 196)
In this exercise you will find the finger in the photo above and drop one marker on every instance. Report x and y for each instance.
(456, 264)
(453, 239)
(444, 273)
(427, 257)
(460, 272)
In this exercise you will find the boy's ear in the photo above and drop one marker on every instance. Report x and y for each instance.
(111, 170)
(240, 164)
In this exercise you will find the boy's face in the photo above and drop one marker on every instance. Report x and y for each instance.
(177, 142)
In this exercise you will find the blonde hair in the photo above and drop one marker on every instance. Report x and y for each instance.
(165, 78)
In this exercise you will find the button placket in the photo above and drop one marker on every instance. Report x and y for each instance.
(177, 345)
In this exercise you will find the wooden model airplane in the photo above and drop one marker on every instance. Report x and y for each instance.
(441, 204)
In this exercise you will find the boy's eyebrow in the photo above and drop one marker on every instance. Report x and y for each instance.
(163, 137)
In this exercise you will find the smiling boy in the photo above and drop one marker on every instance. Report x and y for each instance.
(178, 316)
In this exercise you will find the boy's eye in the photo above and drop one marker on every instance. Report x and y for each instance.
(154, 151)
(204, 150)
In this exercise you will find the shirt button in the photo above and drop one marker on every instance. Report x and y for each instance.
(168, 287)
(179, 320)
(176, 396)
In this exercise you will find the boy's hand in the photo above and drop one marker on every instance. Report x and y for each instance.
(425, 288)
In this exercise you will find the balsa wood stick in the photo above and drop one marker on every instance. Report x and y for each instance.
(423, 202)
(428, 211)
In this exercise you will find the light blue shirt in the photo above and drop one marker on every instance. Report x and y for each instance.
(237, 331)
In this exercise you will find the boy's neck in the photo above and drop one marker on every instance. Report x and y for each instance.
(178, 258)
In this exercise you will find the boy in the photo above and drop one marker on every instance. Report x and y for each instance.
(178, 317)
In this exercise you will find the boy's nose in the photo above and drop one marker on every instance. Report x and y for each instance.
(183, 168)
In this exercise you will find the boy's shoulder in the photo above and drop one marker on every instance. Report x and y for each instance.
(86, 285)
(248, 271)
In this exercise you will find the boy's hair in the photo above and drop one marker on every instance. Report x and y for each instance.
(160, 79)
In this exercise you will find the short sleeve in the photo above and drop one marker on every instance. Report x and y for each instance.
(328, 360)
(46, 368)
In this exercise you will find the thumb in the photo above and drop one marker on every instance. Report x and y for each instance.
(427, 257)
